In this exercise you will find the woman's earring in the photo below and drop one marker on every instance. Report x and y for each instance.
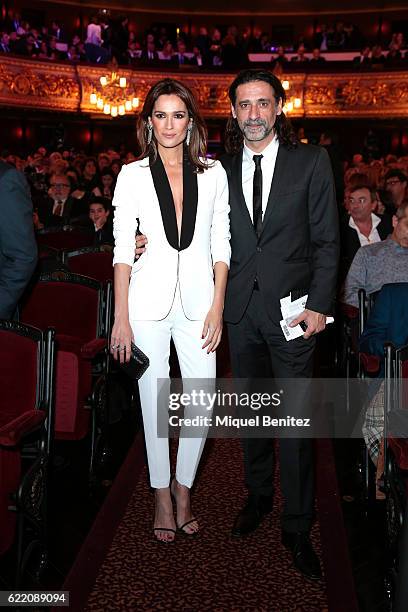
(149, 133)
(188, 137)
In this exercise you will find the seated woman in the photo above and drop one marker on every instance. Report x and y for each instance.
(107, 183)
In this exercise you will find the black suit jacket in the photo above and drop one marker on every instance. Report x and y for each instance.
(350, 243)
(72, 210)
(18, 249)
(299, 244)
(144, 57)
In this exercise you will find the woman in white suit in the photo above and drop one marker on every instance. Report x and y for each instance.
(176, 288)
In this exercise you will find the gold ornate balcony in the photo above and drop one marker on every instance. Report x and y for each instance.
(66, 87)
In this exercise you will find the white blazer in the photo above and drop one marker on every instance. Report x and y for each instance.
(165, 265)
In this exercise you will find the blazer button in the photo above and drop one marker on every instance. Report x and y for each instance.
(259, 249)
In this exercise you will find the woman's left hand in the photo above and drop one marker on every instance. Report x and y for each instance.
(212, 329)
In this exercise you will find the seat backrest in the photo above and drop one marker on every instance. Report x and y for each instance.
(70, 303)
(94, 263)
(20, 370)
(62, 239)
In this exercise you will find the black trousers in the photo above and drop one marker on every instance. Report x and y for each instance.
(259, 350)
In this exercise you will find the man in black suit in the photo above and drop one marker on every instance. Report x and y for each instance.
(363, 60)
(284, 239)
(18, 249)
(149, 54)
(59, 207)
(361, 226)
(180, 58)
(4, 43)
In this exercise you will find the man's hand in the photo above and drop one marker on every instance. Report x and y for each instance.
(140, 243)
(314, 321)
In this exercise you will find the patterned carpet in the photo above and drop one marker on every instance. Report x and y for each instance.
(213, 572)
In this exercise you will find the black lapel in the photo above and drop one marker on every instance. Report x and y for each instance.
(281, 165)
(190, 199)
(354, 242)
(165, 197)
(236, 187)
(166, 202)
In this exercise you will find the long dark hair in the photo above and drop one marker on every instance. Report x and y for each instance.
(197, 148)
(234, 137)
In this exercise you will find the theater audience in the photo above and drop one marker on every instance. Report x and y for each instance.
(108, 37)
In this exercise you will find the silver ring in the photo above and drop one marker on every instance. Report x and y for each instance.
(122, 349)
(114, 347)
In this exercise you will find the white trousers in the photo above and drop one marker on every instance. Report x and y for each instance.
(153, 338)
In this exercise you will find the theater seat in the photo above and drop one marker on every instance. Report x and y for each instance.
(26, 420)
(68, 238)
(93, 262)
(78, 308)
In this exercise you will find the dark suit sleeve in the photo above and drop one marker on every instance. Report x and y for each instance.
(375, 332)
(324, 236)
(17, 243)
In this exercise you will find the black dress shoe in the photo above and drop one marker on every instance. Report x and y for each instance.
(304, 557)
(251, 515)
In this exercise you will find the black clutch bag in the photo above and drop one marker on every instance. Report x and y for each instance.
(137, 365)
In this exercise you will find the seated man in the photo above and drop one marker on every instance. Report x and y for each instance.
(180, 58)
(396, 183)
(59, 207)
(388, 322)
(317, 58)
(380, 263)
(149, 54)
(300, 57)
(362, 226)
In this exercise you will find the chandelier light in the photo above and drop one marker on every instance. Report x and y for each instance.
(114, 96)
(293, 101)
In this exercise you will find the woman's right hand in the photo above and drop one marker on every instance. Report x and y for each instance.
(121, 340)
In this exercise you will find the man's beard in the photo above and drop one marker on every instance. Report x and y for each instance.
(259, 134)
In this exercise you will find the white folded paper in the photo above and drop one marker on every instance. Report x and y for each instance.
(290, 311)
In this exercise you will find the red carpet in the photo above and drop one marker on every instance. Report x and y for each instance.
(121, 566)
